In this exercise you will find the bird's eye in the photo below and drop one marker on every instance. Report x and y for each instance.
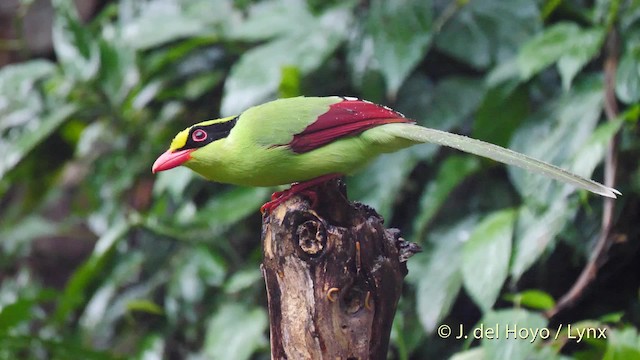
(199, 135)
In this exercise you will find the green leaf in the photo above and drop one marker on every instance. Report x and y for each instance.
(235, 332)
(615, 317)
(204, 267)
(401, 43)
(534, 299)
(476, 353)
(451, 173)
(16, 239)
(151, 347)
(379, 184)
(584, 47)
(26, 140)
(75, 47)
(257, 75)
(623, 344)
(628, 76)
(454, 99)
(22, 310)
(590, 155)
(232, 206)
(148, 24)
(522, 343)
(146, 306)
(500, 114)
(486, 32)
(556, 134)
(118, 71)
(565, 43)
(269, 19)
(75, 291)
(19, 102)
(174, 183)
(241, 280)
(536, 231)
(485, 258)
(437, 274)
(290, 83)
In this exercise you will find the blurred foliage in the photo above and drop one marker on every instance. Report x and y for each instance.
(102, 260)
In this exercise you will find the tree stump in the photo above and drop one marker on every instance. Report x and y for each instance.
(333, 276)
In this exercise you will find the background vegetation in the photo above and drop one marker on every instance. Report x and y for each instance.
(101, 259)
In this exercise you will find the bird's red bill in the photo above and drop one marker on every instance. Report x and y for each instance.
(170, 159)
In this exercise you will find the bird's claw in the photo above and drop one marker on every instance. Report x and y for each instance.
(303, 188)
(279, 197)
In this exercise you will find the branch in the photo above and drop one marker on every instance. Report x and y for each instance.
(333, 276)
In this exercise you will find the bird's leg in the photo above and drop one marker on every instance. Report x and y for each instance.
(303, 188)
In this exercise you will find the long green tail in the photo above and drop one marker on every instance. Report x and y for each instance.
(497, 153)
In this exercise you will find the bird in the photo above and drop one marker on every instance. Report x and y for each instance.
(306, 141)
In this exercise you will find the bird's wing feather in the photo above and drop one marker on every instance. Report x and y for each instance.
(497, 153)
(348, 117)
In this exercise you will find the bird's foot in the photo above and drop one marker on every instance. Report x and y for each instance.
(302, 188)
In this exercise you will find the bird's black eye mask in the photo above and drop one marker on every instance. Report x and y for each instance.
(201, 135)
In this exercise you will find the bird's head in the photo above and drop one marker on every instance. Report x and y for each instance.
(188, 142)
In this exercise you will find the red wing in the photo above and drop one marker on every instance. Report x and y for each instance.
(346, 118)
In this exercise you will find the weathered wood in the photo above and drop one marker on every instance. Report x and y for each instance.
(333, 276)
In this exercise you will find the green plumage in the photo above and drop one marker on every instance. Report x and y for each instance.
(248, 155)
(256, 151)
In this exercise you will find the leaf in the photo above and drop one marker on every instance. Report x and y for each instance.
(628, 76)
(622, 344)
(148, 24)
(583, 49)
(235, 332)
(565, 43)
(501, 112)
(75, 47)
(401, 43)
(454, 99)
(174, 183)
(535, 232)
(556, 134)
(476, 353)
(521, 326)
(232, 206)
(257, 75)
(534, 299)
(118, 71)
(378, 185)
(486, 32)
(145, 306)
(200, 270)
(451, 173)
(75, 290)
(593, 151)
(18, 89)
(290, 83)
(485, 258)
(268, 19)
(241, 280)
(26, 140)
(151, 348)
(17, 239)
(437, 276)
(21, 310)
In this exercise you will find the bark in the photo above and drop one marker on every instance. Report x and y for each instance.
(333, 275)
